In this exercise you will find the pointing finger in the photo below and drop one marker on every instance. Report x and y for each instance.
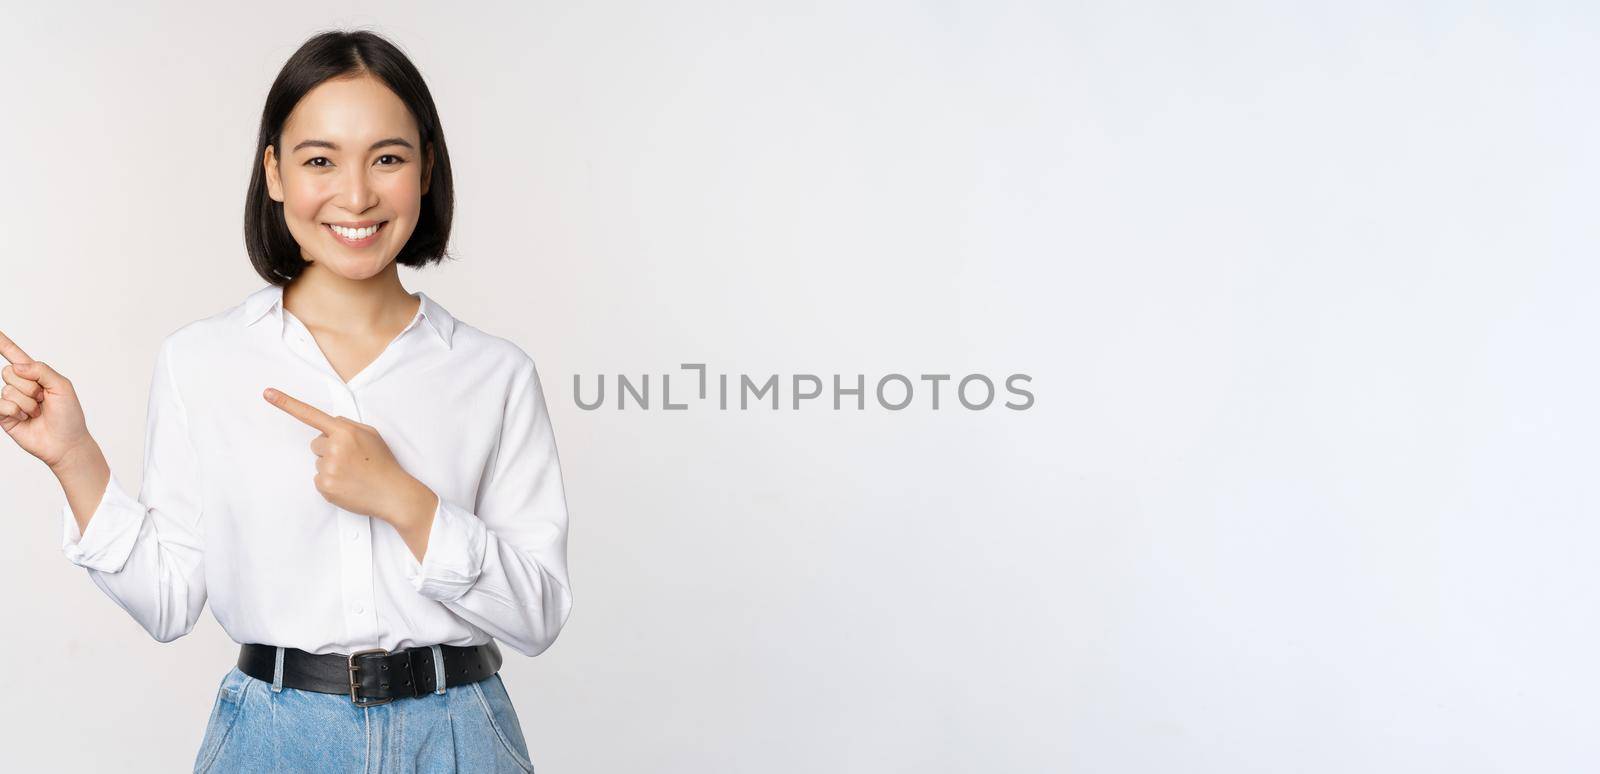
(11, 351)
(302, 411)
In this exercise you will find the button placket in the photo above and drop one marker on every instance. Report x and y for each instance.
(356, 552)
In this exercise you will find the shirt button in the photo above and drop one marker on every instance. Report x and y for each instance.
(358, 608)
(353, 534)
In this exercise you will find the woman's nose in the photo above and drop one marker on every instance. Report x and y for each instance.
(359, 195)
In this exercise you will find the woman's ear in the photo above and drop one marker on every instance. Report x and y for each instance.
(427, 168)
(269, 164)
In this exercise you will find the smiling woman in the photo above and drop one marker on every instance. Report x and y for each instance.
(350, 154)
(368, 598)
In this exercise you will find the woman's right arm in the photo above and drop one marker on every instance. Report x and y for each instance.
(147, 554)
(84, 474)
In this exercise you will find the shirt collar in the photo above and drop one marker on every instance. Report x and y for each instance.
(269, 299)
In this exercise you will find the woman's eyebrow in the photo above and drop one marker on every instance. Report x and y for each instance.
(332, 146)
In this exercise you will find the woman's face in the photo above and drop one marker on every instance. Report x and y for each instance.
(350, 160)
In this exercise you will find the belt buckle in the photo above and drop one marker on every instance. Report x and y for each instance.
(352, 665)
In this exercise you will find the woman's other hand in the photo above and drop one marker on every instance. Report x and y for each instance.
(355, 468)
(39, 409)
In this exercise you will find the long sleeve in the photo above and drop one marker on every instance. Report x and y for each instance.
(502, 565)
(147, 553)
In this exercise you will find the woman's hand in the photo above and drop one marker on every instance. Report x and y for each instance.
(355, 469)
(39, 409)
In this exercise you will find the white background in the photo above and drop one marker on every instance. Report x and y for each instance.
(1306, 291)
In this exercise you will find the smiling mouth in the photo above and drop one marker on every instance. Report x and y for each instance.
(356, 237)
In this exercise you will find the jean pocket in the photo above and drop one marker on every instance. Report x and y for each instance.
(224, 713)
(496, 703)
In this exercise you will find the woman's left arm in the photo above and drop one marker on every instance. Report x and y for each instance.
(503, 567)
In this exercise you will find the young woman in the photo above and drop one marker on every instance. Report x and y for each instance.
(364, 487)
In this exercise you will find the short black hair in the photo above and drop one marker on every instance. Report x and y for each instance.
(325, 56)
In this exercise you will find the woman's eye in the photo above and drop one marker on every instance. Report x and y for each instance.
(312, 162)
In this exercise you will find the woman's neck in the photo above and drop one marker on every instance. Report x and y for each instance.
(324, 300)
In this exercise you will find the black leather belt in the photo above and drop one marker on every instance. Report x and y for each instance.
(375, 676)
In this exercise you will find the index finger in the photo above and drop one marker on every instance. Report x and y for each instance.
(302, 411)
(12, 352)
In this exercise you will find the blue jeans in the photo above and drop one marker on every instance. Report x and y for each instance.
(257, 726)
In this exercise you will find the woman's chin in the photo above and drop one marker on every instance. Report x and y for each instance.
(354, 269)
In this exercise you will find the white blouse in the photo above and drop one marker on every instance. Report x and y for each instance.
(228, 510)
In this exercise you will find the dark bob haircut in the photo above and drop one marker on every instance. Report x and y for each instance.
(325, 56)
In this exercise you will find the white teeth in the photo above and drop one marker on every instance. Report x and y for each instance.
(355, 233)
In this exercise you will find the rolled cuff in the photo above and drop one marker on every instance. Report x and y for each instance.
(454, 557)
(113, 530)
